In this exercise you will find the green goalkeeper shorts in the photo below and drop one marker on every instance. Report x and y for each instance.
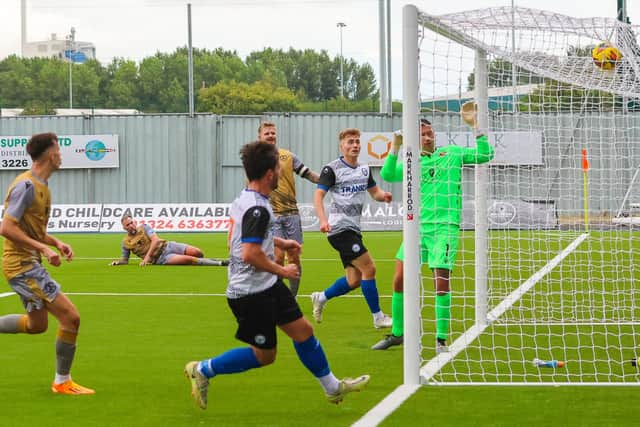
(438, 246)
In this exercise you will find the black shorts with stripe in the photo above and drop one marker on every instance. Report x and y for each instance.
(349, 245)
(259, 314)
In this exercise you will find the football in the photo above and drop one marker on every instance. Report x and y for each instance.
(606, 56)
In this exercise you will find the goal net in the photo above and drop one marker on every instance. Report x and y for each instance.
(544, 286)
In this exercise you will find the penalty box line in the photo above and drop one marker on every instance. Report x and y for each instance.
(164, 294)
(133, 262)
(389, 404)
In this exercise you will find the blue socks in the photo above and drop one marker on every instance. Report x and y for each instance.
(370, 292)
(339, 287)
(310, 353)
(230, 362)
(312, 356)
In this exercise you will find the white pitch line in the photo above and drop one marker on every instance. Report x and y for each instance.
(386, 406)
(303, 259)
(169, 294)
(165, 294)
(382, 410)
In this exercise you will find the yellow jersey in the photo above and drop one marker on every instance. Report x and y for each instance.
(28, 203)
(283, 199)
(139, 244)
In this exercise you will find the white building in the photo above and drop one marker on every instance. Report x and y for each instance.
(64, 49)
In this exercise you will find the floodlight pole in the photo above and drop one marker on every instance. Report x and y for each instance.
(191, 95)
(71, 39)
(341, 25)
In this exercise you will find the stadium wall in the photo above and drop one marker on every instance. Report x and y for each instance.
(177, 159)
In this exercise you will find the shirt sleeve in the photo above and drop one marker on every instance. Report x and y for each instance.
(148, 230)
(298, 167)
(255, 222)
(125, 253)
(392, 170)
(371, 182)
(327, 178)
(20, 198)
(481, 154)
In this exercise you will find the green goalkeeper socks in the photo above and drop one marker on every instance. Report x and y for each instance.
(397, 313)
(443, 315)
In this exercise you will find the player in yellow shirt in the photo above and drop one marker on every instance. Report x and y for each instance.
(283, 199)
(24, 227)
(143, 241)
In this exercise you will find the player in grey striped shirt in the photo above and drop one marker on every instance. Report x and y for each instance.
(256, 295)
(348, 182)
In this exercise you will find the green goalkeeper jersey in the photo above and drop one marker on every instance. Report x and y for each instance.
(441, 179)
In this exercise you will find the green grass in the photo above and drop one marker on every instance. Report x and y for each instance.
(132, 349)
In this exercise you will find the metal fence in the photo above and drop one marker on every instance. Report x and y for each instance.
(175, 158)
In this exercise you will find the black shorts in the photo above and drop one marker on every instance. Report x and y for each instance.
(349, 245)
(258, 314)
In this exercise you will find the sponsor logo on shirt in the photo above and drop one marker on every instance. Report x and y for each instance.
(356, 188)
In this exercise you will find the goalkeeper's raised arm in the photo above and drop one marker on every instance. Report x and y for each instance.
(484, 151)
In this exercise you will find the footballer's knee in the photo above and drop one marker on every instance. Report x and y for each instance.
(71, 321)
(369, 271)
(36, 328)
(265, 357)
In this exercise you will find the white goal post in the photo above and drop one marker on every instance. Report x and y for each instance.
(544, 289)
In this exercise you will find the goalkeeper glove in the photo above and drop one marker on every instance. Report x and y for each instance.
(397, 142)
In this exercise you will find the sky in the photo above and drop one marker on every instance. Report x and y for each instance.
(134, 29)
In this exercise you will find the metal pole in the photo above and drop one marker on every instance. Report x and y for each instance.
(482, 177)
(514, 78)
(72, 37)
(622, 11)
(389, 106)
(411, 195)
(191, 97)
(23, 29)
(383, 61)
(341, 25)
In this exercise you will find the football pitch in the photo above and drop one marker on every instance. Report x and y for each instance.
(139, 326)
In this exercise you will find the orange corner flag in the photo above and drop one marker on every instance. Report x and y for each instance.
(585, 161)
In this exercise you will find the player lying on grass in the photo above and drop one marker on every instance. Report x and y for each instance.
(256, 293)
(144, 242)
(440, 216)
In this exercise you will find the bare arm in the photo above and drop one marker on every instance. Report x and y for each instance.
(312, 176)
(253, 254)
(155, 243)
(318, 204)
(379, 195)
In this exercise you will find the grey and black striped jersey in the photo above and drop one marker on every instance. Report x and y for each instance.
(251, 222)
(348, 187)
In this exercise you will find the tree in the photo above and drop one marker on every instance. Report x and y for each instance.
(231, 97)
(500, 75)
(86, 85)
(122, 91)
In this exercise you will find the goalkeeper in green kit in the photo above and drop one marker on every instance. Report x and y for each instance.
(440, 216)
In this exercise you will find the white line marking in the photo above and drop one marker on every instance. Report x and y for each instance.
(170, 294)
(389, 404)
(7, 294)
(386, 406)
(428, 371)
(132, 262)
